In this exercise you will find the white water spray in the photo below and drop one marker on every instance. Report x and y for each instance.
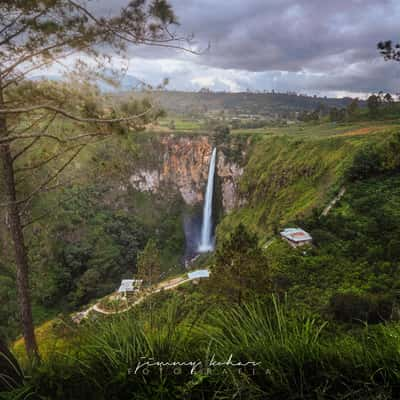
(206, 241)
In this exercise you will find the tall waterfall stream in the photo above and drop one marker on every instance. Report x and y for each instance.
(206, 240)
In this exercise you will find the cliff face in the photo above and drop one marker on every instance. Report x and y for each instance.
(182, 164)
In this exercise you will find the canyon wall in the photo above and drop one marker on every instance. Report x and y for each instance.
(181, 163)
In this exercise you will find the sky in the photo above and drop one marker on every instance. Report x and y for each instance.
(310, 46)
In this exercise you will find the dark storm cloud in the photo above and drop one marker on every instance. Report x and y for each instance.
(259, 35)
(323, 45)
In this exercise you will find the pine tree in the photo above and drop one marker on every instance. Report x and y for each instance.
(240, 269)
(33, 35)
(149, 264)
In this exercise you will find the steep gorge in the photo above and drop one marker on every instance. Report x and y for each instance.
(180, 163)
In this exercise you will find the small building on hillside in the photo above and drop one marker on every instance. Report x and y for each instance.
(129, 286)
(195, 276)
(296, 237)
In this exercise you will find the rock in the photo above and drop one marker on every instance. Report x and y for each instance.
(229, 173)
(145, 181)
(183, 166)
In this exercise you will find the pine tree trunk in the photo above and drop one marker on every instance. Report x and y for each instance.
(21, 259)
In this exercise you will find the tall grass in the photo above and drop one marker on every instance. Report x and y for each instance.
(287, 349)
(301, 359)
(298, 357)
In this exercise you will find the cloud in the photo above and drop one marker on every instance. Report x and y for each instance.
(309, 46)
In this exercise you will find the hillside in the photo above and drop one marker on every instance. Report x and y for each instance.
(256, 104)
(292, 171)
(147, 186)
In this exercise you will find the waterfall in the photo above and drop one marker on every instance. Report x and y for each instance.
(206, 241)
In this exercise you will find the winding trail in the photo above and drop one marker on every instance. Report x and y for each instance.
(166, 285)
(328, 208)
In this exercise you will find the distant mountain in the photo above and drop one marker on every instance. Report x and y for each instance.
(126, 83)
(267, 104)
(199, 103)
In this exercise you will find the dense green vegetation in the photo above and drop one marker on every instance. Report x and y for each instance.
(355, 256)
(90, 248)
(331, 329)
(79, 212)
(351, 272)
(84, 238)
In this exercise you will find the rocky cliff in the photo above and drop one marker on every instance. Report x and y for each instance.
(181, 163)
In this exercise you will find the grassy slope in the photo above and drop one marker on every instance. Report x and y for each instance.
(356, 248)
(293, 170)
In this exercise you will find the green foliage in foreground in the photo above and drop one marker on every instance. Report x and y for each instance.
(287, 356)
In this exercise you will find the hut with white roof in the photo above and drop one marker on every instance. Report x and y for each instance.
(195, 276)
(129, 286)
(296, 237)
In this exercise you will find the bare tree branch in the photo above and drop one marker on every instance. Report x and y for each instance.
(11, 23)
(47, 160)
(9, 139)
(26, 148)
(134, 39)
(50, 179)
(47, 181)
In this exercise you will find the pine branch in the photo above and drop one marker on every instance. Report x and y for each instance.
(46, 182)
(27, 200)
(47, 213)
(64, 183)
(134, 39)
(35, 122)
(33, 142)
(47, 160)
(37, 66)
(26, 148)
(7, 39)
(71, 116)
(9, 139)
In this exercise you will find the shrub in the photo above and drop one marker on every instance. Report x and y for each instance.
(352, 307)
(367, 163)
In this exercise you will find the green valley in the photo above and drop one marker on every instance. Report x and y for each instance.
(199, 216)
